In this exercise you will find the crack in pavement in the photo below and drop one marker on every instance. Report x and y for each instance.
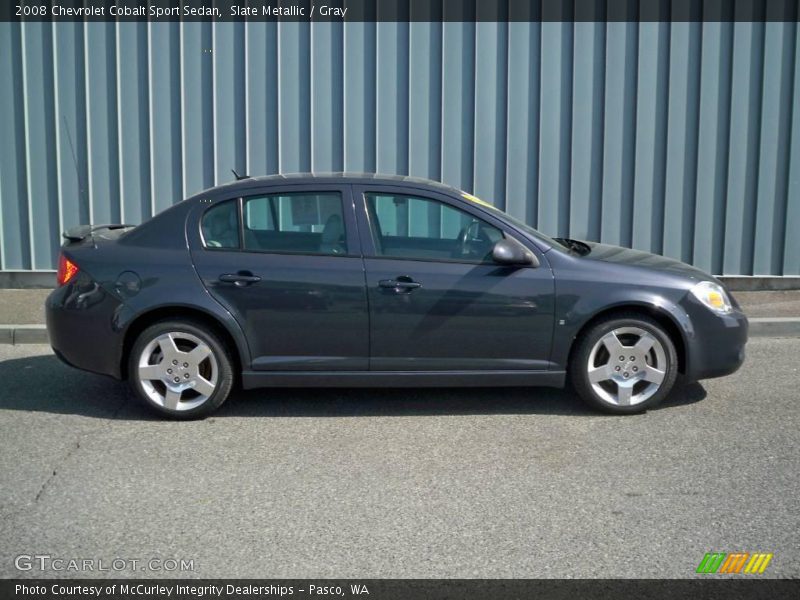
(114, 416)
(66, 457)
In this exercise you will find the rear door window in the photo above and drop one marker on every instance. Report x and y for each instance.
(302, 223)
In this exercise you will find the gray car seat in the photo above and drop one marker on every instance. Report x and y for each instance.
(221, 228)
(333, 236)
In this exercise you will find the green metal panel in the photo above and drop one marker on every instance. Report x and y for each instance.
(713, 131)
(359, 96)
(491, 108)
(742, 151)
(682, 119)
(133, 122)
(197, 122)
(102, 148)
(327, 129)
(522, 120)
(70, 125)
(682, 138)
(586, 174)
(770, 218)
(15, 246)
(391, 84)
(425, 100)
(261, 51)
(164, 112)
(791, 252)
(40, 155)
(294, 97)
(555, 122)
(652, 81)
(619, 134)
(458, 103)
(230, 114)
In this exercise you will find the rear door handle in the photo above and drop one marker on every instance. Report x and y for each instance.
(400, 285)
(242, 278)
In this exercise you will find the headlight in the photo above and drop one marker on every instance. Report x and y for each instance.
(713, 296)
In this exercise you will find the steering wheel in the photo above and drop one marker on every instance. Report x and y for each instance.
(466, 236)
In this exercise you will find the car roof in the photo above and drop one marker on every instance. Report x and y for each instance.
(247, 183)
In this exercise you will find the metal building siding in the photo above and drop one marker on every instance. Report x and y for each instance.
(678, 138)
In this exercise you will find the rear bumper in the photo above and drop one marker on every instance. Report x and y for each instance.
(715, 343)
(80, 320)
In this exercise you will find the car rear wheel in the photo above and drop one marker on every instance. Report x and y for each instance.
(624, 364)
(180, 369)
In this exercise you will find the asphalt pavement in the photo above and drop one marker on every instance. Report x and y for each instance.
(400, 483)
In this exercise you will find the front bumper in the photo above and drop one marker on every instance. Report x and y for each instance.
(80, 320)
(715, 344)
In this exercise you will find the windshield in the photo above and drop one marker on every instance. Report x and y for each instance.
(518, 223)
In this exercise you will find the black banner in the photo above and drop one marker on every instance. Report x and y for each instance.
(746, 587)
(399, 10)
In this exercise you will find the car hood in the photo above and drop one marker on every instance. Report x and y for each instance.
(637, 258)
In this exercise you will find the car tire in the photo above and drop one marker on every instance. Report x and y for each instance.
(625, 363)
(180, 369)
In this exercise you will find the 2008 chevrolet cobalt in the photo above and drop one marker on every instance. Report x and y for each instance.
(361, 280)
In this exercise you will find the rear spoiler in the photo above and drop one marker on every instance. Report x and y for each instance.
(81, 232)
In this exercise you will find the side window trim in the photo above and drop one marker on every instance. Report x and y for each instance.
(240, 209)
(375, 231)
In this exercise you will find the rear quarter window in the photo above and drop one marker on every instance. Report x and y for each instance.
(220, 226)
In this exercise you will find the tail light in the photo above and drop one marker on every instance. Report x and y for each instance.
(66, 270)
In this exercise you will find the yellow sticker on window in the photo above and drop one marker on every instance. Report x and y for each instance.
(475, 199)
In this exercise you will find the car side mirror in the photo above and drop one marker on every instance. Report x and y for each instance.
(509, 252)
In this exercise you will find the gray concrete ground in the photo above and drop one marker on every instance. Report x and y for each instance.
(19, 307)
(402, 483)
(770, 304)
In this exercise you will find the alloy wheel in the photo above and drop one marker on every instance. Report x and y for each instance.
(627, 366)
(178, 371)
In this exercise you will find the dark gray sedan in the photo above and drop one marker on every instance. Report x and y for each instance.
(363, 280)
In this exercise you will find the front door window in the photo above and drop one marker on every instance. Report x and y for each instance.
(420, 228)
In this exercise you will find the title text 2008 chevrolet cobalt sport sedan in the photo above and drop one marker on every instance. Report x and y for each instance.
(340, 280)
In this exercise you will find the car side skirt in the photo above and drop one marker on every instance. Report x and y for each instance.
(257, 379)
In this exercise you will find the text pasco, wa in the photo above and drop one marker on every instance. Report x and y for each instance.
(287, 11)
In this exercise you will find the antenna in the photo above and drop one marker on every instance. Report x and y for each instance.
(81, 190)
(239, 177)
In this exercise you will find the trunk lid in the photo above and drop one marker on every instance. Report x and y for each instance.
(94, 234)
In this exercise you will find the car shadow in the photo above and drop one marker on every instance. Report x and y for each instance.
(44, 384)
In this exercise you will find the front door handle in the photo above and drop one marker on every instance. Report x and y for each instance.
(399, 285)
(241, 279)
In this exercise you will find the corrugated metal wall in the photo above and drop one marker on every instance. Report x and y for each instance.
(678, 138)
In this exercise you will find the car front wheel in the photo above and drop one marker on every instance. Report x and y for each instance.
(180, 369)
(624, 364)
